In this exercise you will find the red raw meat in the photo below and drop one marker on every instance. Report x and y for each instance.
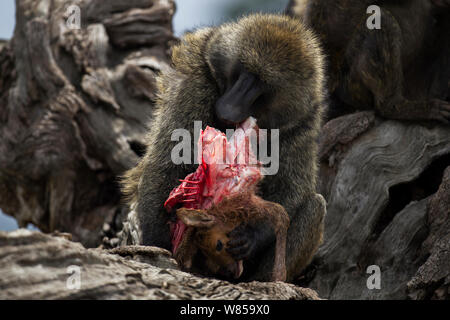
(226, 167)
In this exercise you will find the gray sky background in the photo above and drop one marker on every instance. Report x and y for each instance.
(190, 14)
(7, 17)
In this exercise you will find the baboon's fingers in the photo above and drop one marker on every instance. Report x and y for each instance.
(240, 253)
(240, 245)
(238, 237)
(237, 232)
(240, 248)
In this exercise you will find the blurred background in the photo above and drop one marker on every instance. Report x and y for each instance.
(190, 14)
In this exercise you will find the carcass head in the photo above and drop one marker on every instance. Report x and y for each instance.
(209, 235)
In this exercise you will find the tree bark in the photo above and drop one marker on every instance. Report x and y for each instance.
(38, 266)
(74, 108)
(387, 184)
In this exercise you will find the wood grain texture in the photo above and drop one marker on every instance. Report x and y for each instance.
(34, 266)
(74, 108)
(378, 193)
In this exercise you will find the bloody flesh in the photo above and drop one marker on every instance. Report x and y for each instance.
(225, 168)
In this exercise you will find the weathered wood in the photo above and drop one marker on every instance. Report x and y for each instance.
(74, 105)
(432, 279)
(35, 266)
(382, 206)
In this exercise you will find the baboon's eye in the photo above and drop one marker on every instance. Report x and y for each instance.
(219, 245)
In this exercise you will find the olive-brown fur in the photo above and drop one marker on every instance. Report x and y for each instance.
(401, 71)
(287, 56)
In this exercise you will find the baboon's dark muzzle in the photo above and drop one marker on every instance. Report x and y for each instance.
(235, 105)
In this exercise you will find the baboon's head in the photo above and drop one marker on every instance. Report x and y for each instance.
(210, 237)
(265, 66)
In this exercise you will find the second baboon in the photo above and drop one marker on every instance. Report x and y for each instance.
(401, 70)
(266, 66)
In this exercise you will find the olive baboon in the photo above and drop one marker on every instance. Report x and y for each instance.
(401, 70)
(266, 66)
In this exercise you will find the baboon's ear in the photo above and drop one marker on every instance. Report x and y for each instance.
(195, 218)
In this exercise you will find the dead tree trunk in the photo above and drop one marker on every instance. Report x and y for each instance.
(38, 266)
(387, 184)
(74, 104)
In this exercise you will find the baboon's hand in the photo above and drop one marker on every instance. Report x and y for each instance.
(247, 240)
(440, 110)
